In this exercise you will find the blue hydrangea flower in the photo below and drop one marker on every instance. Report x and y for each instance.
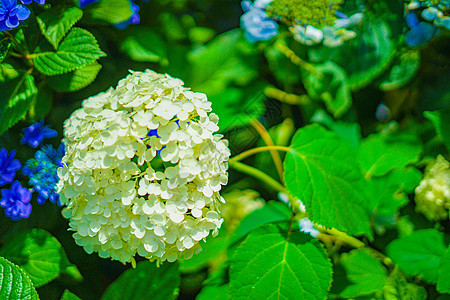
(84, 3)
(42, 171)
(35, 134)
(383, 113)
(41, 2)
(134, 19)
(8, 166)
(11, 14)
(434, 15)
(16, 201)
(421, 32)
(256, 23)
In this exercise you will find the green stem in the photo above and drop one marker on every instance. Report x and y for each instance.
(252, 151)
(260, 175)
(287, 98)
(349, 240)
(296, 60)
(269, 142)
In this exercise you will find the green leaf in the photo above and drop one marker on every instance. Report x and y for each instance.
(37, 252)
(223, 61)
(14, 283)
(110, 11)
(79, 48)
(380, 153)
(443, 283)
(366, 274)
(369, 55)
(387, 190)
(441, 121)
(403, 70)
(207, 60)
(4, 47)
(320, 170)
(42, 103)
(238, 107)
(56, 22)
(69, 272)
(18, 91)
(351, 132)
(146, 279)
(172, 27)
(67, 295)
(398, 288)
(276, 263)
(200, 35)
(419, 253)
(213, 293)
(145, 45)
(75, 80)
(271, 212)
(330, 85)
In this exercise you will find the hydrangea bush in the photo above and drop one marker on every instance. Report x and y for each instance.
(182, 149)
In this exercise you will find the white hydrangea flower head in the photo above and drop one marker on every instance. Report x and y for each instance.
(143, 169)
(433, 193)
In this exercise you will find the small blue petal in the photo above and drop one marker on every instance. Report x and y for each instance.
(23, 13)
(420, 34)
(411, 19)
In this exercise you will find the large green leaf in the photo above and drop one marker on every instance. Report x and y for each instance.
(79, 48)
(441, 121)
(17, 93)
(330, 85)
(14, 283)
(419, 253)
(144, 280)
(443, 284)
(144, 45)
(320, 170)
(367, 56)
(56, 22)
(380, 153)
(37, 252)
(75, 80)
(366, 274)
(276, 263)
(110, 11)
(398, 288)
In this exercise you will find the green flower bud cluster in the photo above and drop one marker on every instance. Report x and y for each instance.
(433, 193)
(318, 13)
